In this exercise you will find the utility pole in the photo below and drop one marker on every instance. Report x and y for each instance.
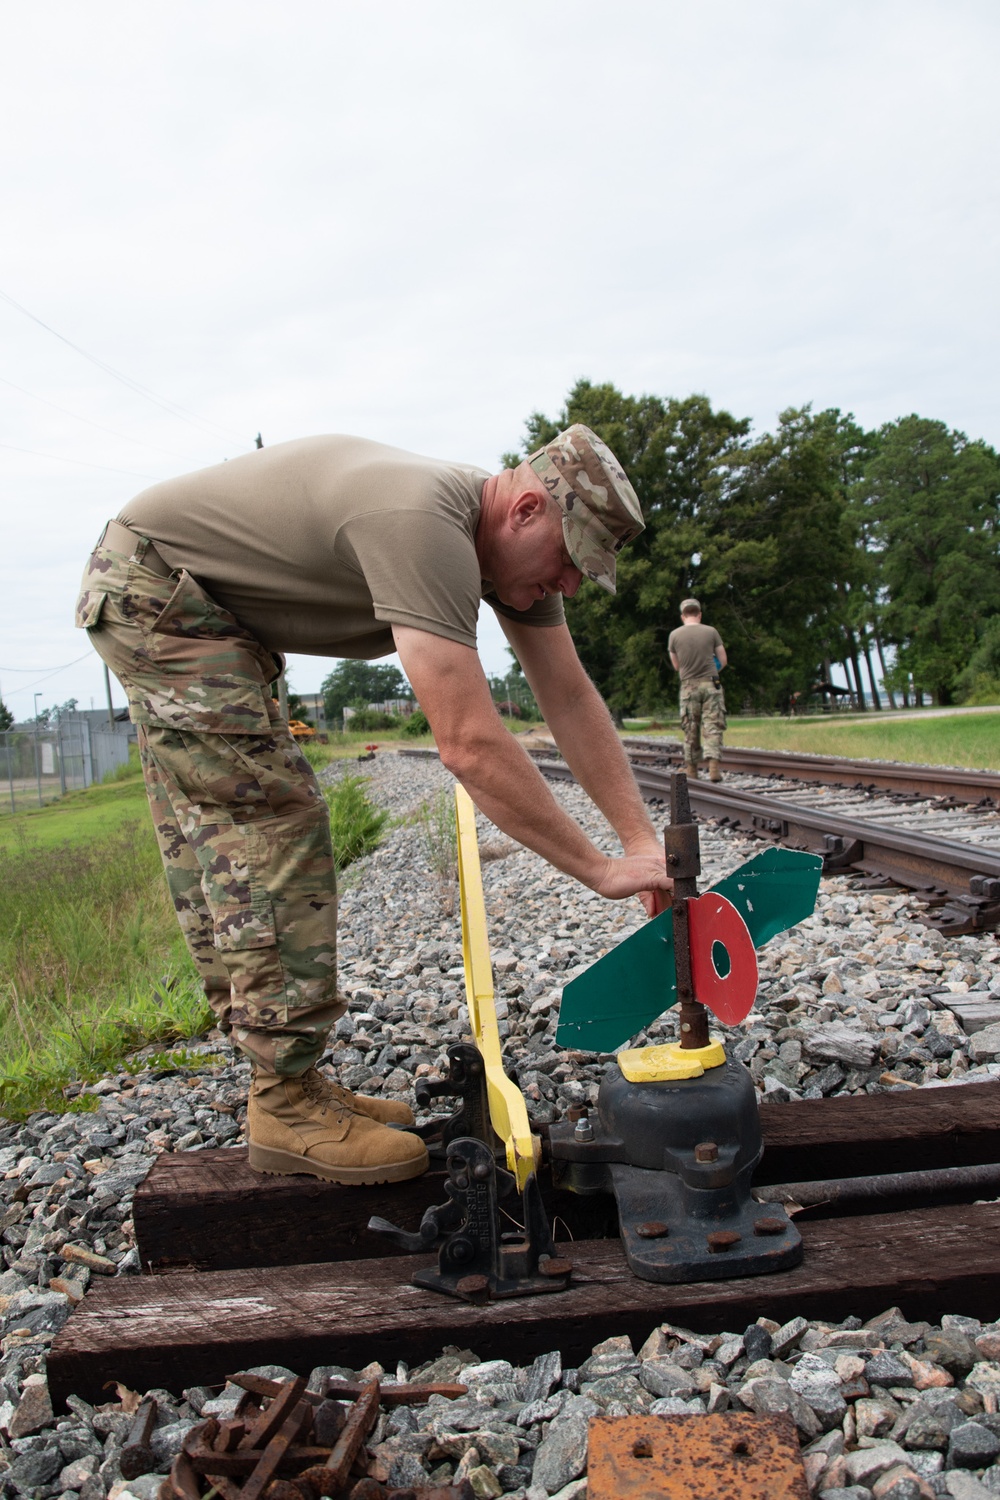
(38, 754)
(107, 688)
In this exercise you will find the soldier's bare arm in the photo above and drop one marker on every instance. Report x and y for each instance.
(579, 720)
(674, 662)
(502, 780)
(720, 652)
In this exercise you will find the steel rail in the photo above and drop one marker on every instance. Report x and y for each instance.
(916, 780)
(962, 881)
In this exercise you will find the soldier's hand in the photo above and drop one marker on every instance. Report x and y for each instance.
(642, 875)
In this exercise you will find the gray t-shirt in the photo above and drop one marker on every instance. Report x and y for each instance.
(322, 544)
(694, 647)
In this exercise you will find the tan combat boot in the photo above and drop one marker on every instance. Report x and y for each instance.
(714, 773)
(298, 1125)
(692, 771)
(385, 1111)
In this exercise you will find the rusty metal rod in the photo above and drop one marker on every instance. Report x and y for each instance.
(885, 1185)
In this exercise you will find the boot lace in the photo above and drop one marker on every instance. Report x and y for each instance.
(319, 1090)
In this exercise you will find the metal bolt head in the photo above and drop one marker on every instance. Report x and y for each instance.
(770, 1226)
(583, 1130)
(462, 1181)
(722, 1239)
(481, 1171)
(473, 1288)
(706, 1151)
(651, 1230)
(553, 1268)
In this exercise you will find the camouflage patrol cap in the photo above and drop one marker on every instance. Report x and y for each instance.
(600, 508)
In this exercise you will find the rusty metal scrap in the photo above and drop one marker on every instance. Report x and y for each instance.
(300, 1445)
(137, 1455)
(722, 1456)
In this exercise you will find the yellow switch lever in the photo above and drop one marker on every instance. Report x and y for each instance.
(508, 1112)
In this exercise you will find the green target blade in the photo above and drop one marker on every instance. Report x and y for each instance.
(629, 987)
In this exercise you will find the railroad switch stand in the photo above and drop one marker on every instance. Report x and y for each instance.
(477, 1259)
(677, 1135)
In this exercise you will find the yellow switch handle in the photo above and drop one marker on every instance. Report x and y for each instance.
(508, 1112)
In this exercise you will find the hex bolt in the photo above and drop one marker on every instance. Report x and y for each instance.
(706, 1151)
(583, 1130)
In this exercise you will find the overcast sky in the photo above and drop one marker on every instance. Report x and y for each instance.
(419, 220)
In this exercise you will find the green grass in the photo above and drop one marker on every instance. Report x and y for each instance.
(84, 815)
(92, 963)
(951, 740)
(350, 746)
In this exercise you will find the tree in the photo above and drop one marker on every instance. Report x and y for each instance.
(674, 453)
(780, 557)
(6, 717)
(759, 531)
(362, 682)
(931, 502)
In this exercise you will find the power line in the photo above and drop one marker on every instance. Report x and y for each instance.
(100, 427)
(82, 462)
(38, 680)
(126, 380)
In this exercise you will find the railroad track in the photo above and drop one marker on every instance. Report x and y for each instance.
(909, 782)
(260, 1270)
(957, 879)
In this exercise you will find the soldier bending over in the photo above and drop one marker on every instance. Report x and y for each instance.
(341, 547)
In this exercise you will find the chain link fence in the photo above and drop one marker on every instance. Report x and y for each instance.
(42, 761)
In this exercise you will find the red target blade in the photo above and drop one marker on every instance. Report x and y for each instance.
(723, 958)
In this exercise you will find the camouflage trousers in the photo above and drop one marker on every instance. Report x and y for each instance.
(242, 825)
(703, 713)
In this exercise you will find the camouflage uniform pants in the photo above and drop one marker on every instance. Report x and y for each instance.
(242, 825)
(703, 712)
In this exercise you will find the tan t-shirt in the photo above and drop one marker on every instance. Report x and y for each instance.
(694, 646)
(321, 545)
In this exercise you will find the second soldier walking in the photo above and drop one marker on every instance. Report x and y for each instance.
(697, 653)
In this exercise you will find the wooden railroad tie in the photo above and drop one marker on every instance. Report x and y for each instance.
(207, 1210)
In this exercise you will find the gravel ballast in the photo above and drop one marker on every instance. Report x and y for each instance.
(856, 999)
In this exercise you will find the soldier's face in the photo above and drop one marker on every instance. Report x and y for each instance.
(534, 561)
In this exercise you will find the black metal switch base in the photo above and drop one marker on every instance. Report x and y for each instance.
(666, 1237)
(679, 1156)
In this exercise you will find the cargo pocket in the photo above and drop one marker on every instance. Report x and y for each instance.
(203, 670)
(247, 943)
(88, 609)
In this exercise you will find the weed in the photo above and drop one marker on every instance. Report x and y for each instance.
(355, 825)
(435, 820)
(172, 1061)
